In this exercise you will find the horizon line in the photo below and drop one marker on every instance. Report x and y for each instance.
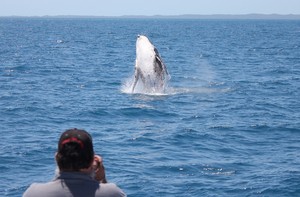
(179, 16)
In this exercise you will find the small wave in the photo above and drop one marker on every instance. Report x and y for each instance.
(218, 171)
(195, 90)
(143, 106)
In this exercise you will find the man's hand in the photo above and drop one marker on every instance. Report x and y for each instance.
(99, 169)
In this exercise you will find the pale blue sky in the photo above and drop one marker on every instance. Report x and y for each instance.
(145, 7)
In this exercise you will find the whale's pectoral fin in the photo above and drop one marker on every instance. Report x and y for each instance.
(137, 74)
(159, 61)
(160, 67)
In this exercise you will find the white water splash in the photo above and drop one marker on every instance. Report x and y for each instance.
(141, 89)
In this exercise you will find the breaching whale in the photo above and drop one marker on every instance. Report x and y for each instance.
(150, 71)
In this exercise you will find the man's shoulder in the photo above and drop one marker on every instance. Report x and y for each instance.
(110, 189)
(35, 189)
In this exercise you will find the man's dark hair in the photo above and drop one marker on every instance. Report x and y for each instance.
(75, 150)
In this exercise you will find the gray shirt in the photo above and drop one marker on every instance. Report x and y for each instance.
(71, 184)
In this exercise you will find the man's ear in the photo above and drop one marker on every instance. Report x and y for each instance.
(91, 165)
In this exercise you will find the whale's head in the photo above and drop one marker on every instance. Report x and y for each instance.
(143, 40)
(144, 47)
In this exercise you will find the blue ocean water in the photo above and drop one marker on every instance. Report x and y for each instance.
(229, 125)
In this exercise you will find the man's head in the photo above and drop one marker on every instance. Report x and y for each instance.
(75, 150)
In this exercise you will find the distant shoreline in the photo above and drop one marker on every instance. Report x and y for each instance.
(185, 16)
